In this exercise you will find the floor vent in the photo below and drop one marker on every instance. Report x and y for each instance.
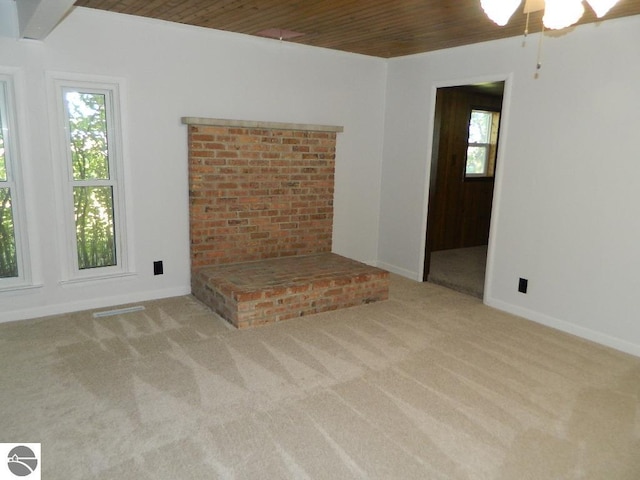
(118, 311)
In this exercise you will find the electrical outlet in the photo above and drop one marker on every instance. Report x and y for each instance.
(157, 268)
(523, 283)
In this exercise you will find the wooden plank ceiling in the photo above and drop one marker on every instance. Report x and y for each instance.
(381, 28)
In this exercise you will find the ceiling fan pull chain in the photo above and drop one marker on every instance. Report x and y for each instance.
(539, 59)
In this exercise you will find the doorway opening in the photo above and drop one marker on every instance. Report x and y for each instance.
(463, 166)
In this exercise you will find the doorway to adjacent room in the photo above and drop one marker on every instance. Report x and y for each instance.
(463, 166)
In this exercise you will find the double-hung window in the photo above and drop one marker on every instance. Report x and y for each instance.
(93, 183)
(482, 144)
(13, 245)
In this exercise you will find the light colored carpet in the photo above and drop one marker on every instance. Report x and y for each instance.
(461, 269)
(428, 385)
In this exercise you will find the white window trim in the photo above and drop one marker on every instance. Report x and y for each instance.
(57, 83)
(16, 183)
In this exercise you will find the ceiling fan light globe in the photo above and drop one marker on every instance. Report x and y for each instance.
(602, 7)
(500, 11)
(560, 14)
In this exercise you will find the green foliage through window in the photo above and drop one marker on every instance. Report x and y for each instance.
(93, 193)
(94, 226)
(3, 161)
(8, 249)
(88, 135)
(476, 160)
(8, 254)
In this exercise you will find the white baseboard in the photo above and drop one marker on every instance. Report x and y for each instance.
(92, 304)
(567, 327)
(399, 271)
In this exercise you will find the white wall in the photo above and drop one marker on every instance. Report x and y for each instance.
(171, 71)
(567, 204)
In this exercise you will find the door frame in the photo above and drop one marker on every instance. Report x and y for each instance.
(500, 165)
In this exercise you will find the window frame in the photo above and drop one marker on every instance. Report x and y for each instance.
(111, 88)
(491, 148)
(13, 160)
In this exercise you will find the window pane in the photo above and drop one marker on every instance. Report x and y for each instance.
(3, 161)
(480, 126)
(8, 254)
(476, 160)
(88, 135)
(95, 230)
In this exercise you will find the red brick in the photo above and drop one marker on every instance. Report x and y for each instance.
(247, 296)
(270, 185)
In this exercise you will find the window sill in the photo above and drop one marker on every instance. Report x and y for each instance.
(94, 280)
(479, 178)
(20, 288)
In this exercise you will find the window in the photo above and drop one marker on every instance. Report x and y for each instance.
(13, 269)
(94, 203)
(482, 144)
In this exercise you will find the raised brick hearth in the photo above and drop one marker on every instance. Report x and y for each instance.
(266, 291)
(261, 223)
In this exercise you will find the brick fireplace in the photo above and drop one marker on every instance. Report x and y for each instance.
(259, 192)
